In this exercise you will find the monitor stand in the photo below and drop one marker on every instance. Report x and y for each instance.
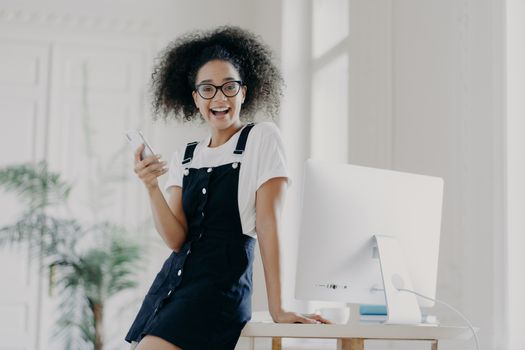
(402, 307)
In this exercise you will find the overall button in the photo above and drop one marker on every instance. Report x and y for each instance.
(169, 293)
(204, 191)
(186, 171)
(235, 165)
(200, 235)
(188, 252)
(209, 170)
(179, 272)
(202, 214)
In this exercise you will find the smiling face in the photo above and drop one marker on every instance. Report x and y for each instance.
(220, 112)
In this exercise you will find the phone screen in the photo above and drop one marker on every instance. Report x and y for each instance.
(135, 139)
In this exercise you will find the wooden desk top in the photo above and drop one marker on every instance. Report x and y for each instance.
(357, 330)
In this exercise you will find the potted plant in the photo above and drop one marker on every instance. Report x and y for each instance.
(88, 264)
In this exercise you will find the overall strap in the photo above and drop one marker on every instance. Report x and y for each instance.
(241, 143)
(188, 153)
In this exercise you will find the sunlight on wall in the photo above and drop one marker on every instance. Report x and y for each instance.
(330, 24)
(329, 128)
(329, 112)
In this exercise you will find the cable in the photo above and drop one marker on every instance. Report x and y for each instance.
(450, 307)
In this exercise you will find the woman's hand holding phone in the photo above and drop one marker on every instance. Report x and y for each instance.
(149, 168)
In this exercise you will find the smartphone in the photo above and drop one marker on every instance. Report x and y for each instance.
(135, 139)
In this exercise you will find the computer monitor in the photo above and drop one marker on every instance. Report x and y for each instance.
(364, 229)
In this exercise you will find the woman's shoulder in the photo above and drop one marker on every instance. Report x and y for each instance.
(266, 139)
(180, 150)
(266, 129)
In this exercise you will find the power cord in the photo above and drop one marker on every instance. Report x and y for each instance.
(450, 307)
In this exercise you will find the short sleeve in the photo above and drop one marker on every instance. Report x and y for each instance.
(272, 160)
(175, 172)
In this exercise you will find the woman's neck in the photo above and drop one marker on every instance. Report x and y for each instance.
(220, 137)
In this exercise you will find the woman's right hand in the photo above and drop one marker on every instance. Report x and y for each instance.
(148, 169)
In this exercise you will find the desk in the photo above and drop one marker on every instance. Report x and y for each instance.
(351, 336)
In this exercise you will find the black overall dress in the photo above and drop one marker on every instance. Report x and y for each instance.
(201, 298)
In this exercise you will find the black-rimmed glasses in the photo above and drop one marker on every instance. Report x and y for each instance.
(229, 89)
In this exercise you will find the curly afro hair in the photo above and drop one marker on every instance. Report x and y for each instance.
(173, 79)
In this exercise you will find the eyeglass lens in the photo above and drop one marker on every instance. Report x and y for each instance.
(229, 89)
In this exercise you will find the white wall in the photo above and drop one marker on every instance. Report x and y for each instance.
(448, 121)
(426, 95)
(68, 33)
(515, 172)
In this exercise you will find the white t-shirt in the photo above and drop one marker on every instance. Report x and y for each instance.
(263, 158)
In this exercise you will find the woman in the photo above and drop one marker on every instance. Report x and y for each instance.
(223, 192)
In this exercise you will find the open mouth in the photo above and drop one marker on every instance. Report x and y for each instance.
(220, 112)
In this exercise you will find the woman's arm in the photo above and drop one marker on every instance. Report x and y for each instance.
(170, 220)
(268, 207)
